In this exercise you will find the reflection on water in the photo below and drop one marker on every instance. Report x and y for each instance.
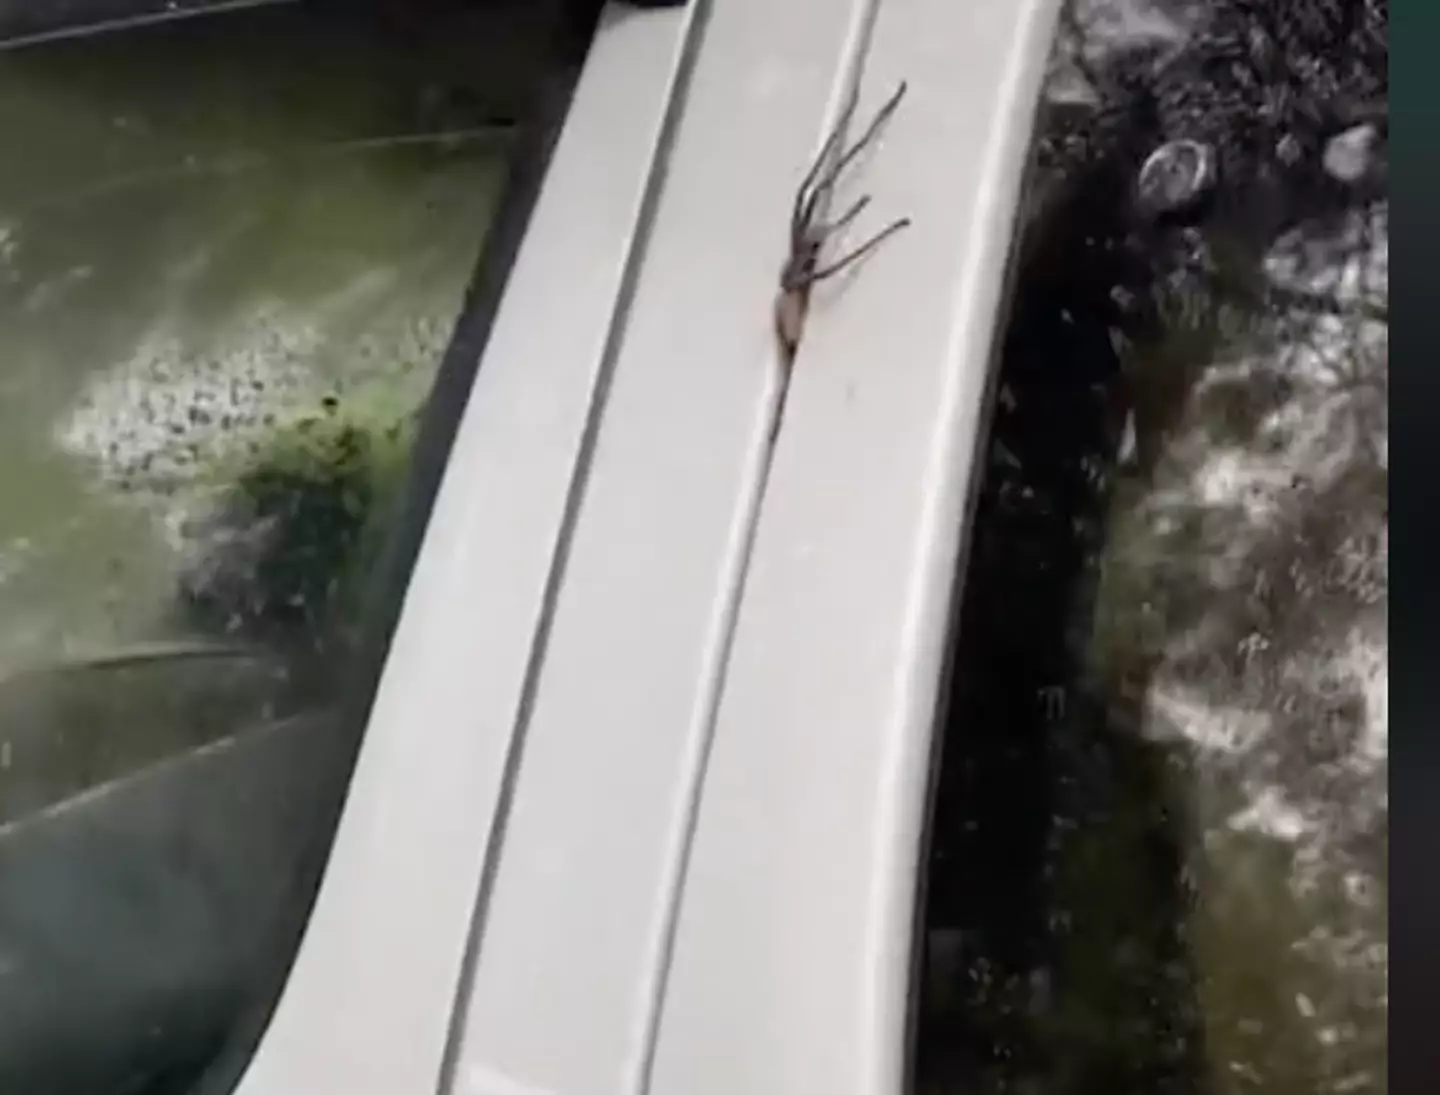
(197, 250)
(1161, 830)
(231, 253)
(70, 726)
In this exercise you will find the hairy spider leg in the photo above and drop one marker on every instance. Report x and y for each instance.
(806, 237)
(881, 116)
(808, 192)
(817, 180)
(859, 252)
(827, 230)
(820, 234)
(805, 256)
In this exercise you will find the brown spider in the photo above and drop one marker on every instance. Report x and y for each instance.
(808, 236)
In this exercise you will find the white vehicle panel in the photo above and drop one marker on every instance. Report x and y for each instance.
(628, 857)
(369, 1004)
(573, 940)
(792, 959)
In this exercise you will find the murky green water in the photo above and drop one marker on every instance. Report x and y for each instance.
(232, 251)
(205, 231)
(213, 234)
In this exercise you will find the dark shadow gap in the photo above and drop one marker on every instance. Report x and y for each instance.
(1055, 883)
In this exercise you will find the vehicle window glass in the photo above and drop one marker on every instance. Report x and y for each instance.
(233, 251)
(1159, 843)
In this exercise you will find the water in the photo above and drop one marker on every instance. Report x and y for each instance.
(1162, 824)
(221, 242)
(211, 230)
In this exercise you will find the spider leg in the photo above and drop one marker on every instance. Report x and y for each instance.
(871, 130)
(858, 253)
(826, 230)
(802, 220)
(805, 254)
(818, 181)
(807, 194)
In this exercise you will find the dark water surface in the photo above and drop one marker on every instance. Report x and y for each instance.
(1160, 857)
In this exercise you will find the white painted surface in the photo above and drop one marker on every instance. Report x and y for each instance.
(792, 963)
(574, 941)
(368, 1006)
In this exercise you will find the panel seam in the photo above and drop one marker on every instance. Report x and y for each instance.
(724, 627)
(690, 39)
